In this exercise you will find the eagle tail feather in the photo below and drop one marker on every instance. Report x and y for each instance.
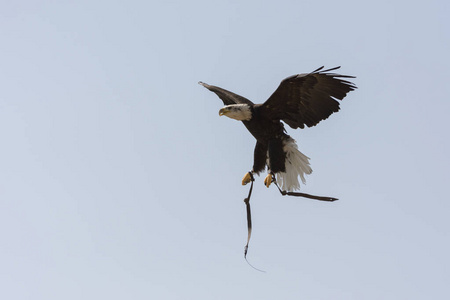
(297, 165)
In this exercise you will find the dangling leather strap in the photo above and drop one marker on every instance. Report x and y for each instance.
(249, 221)
(284, 193)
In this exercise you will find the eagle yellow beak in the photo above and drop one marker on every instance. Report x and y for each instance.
(223, 111)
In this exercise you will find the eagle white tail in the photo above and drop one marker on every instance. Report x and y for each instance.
(297, 164)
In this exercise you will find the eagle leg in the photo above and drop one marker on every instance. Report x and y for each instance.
(269, 179)
(247, 178)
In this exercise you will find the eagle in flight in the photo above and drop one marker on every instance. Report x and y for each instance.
(300, 100)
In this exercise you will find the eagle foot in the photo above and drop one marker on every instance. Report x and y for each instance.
(247, 178)
(268, 180)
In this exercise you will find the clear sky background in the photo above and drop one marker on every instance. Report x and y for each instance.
(119, 180)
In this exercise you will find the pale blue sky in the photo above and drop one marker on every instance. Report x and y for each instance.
(120, 181)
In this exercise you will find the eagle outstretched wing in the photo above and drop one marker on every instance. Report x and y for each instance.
(227, 97)
(307, 99)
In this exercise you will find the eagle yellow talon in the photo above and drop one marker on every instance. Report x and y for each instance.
(247, 178)
(268, 180)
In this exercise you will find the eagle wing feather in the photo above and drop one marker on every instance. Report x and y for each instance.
(307, 99)
(227, 97)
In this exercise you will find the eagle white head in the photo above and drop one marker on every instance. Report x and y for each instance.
(240, 112)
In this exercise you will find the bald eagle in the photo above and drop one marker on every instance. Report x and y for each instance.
(300, 100)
